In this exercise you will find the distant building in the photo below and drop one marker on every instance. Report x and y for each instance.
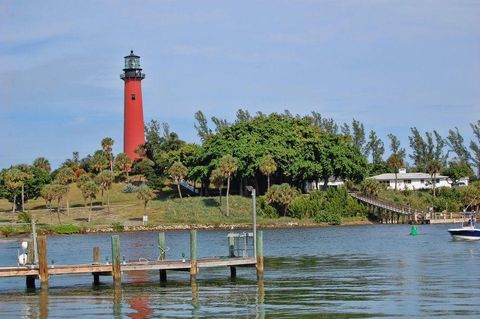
(412, 181)
(314, 185)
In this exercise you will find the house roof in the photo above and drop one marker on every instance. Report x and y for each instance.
(391, 176)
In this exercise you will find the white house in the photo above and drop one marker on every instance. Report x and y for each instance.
(412, 180)
(314, 185)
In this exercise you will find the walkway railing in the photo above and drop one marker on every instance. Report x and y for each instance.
(388, 205)
(188, 186)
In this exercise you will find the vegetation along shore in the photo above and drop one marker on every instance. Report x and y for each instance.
(301, 167)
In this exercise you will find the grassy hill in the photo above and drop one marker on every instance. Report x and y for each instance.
(167, 210)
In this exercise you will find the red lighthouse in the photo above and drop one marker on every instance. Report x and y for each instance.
(133, 134)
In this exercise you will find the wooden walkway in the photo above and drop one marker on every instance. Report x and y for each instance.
(106, 269)
(391, 211)
(41, 270)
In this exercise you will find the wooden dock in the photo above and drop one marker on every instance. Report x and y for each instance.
(42, 270)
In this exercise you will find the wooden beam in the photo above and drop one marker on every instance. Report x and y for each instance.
(116, 273)
(162, 247)
(259, 254)
(193, 254)
(42, 261)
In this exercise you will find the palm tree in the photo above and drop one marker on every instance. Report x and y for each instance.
(107, 144)
(371, 186)
(105, 180)
(123, 163)
(145, 194)
(217, 179)
(58, 191)
(27, 174)
(178, 172)
(90, 190)
(228, 166)
(14, 180)
(47, 194)
(282, 195)
(395, 162)
(42, 163)
(433, 168)
(81, 182)
(64, 177)
(99, 161)
(267, 167)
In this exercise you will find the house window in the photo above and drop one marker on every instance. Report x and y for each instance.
(408, 181)
(422, 181)
(437, 180)
(133, 97)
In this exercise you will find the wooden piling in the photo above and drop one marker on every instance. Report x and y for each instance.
(42, 261)
(162, 246)
(30, 279)
(231, 253)
(116, 274)
(193, 254)
(259, 253)
(96, 261)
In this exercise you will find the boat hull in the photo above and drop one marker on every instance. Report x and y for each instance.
(465, 234)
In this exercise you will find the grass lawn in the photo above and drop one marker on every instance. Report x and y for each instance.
(166, 210)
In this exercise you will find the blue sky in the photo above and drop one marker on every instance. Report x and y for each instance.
(390, 64)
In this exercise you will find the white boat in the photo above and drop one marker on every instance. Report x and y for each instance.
(468, 231)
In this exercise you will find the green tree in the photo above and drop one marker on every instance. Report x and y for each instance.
(456, 171)
(123, 163)
(217, 179)
(14, 180)
(475, 145)
(42, 163)
(47, 195)
(395, 146)
(107, 144)
(358, 136)
(26, 176)
(228, 166)
(99, 161)
(375, 147)
(58, 191)
(202, 128)
(395, 162)
(456, 143)
(267, 166)
(90, 190)
(371, 186)
(178, 171)
(433, 168)
(145, 194)
(81, 182)
(105, 180)
(281, 195)
(64, 177)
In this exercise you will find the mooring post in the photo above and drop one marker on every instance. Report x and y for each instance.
(42, 261)
(116, 274)
(193, 254)
(30, 280)
(96, 261)
(162, 246)
(231, 253)
(260, 254)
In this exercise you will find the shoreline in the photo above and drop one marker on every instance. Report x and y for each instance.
(183, 227)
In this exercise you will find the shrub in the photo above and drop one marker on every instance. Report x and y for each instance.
(65, 229)
(130, 188)
(8, 231)
(264, 209)
(118, 227)
(24, 217)
(305, 207)
(328, 216)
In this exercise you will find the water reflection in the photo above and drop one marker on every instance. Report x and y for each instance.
(346, 273)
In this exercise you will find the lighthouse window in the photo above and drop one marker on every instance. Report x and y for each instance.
(133, 97)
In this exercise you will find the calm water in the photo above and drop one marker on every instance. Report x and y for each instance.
(375, 271)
